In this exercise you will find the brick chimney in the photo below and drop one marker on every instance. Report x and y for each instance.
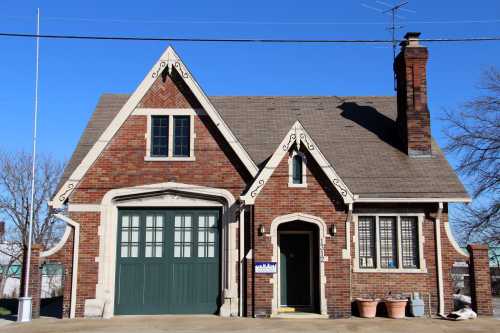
(413, 119)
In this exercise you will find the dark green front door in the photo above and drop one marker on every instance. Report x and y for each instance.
(167, 261)
(295, 269)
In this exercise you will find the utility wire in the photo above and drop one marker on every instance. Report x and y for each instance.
(243, 40)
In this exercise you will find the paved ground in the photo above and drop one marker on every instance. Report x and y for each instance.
(207, 324)
(496, 307)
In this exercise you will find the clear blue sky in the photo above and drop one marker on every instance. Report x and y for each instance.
(74, 73)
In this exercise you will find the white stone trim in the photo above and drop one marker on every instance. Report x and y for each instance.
(170, 113)
(322, 238)
(290, 169)
(453, 241)
(84, 208)
(417, 200)
(296, 135)
(169, 59)
(105, 288)
(76, 243)
(346, 253)
(421, 240)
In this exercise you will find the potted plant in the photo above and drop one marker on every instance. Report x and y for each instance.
(395, 305)
(367, 306)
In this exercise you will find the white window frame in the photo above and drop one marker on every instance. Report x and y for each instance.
(421, 240)
(149, 113)
(290, 169)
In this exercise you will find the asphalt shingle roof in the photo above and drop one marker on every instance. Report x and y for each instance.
(357, 135)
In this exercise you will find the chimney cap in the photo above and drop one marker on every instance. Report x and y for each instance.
(411, 39)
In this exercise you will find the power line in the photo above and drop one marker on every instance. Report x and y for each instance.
(244, 40)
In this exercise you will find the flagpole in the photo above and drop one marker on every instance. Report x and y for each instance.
(25, 302)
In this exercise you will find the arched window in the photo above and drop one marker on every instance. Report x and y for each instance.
(297, 177)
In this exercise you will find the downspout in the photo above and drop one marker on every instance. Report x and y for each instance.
(439, 260)
(348, 246)
(74, 272)
(241, 257)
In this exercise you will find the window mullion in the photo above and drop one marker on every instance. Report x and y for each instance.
(170, 135)
(400, 254)
(377, 242)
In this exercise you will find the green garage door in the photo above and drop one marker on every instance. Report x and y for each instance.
(167, 261)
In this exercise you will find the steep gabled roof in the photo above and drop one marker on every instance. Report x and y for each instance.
(296, 137)
(169, 60)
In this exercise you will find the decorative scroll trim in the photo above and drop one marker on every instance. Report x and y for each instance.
(170, 63)
(256, 190)
(63, 196)
(159, 70)
(338, 185)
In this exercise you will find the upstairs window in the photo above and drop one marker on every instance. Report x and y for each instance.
(181, 136)
(297, 170)
(170, 135)
(159, 136)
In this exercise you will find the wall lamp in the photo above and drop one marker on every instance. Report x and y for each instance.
(262, 230)
(333, 230)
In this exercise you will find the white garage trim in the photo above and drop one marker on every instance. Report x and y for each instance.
(112, 200)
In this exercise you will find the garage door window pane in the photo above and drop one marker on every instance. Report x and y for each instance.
(207, 229)
(129, 246)
(182, 236)
(154, 236)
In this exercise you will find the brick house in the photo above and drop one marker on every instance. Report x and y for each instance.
(178, 202)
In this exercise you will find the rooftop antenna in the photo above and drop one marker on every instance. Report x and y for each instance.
(394, 27)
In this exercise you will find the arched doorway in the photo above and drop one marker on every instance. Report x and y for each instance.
(298, 248)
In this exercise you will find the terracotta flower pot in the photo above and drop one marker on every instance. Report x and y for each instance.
(396, 308)
(367, 307)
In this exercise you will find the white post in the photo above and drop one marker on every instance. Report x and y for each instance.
(25, 304)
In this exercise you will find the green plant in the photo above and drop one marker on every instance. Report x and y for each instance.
(4, 312)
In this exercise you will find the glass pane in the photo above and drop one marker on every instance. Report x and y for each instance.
(177, 236)
(201, 236)
(149, 221)
(187, 251)
(187, 221)
(201, 251)
(177, 251)
(149, 235)
(297, 169)
(125, 236)
(134, 251)
(124, 251)
(159, 135)
(409, 242)
(211, 221)
(388, 242)
(211, 249)
(182, 132)
(149, 251)
(201, 221)
(135, 236)
(159, 221)
(178, 220)
(135, 221)
(366, 241)
(159, 236)
(159, 251)
(125, 221)
(211, 236)
(187, 235)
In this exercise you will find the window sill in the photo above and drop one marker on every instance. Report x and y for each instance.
(297, 185)
(170, 158)
(390, 270)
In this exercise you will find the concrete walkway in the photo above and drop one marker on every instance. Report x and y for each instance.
(185, 324)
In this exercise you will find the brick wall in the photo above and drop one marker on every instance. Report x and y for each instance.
(480, 279)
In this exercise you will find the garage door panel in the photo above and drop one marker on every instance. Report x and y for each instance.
(130, 287)
(168, 262)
